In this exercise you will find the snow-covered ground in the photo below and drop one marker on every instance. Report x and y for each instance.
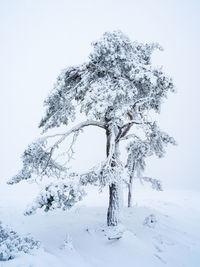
(79, 237)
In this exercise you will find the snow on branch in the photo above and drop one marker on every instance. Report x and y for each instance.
(75, 129)
(154, 144)
(37, 161)
(130, 136)
(37, 158)
(158, 140)
(155, 183)
(118, 76)
(61, 194)
(59, 103)
(131, 123)
(103, 174)
(109, 170)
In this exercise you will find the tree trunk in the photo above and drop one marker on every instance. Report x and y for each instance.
(113, 213)
(114, 205)
(130, 190)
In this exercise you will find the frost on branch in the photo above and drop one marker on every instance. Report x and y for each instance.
(118, 78)
(61, 194)
(155, 183)
(64, 192)
(11, 244)
(60, 106)
(37, 161)
(155, 143)
(138, 150)
(159, 140)
(103, 174)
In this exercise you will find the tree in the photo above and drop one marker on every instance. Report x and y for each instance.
(138, 150)
(116, 88)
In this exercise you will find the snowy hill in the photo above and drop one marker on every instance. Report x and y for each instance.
(79, 237)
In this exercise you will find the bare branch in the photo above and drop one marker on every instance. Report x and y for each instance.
(70, 151)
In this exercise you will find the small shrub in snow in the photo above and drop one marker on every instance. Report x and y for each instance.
(67, 244)
(11, 244)
(150, 221)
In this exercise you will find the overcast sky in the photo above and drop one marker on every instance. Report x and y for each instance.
(41, 37)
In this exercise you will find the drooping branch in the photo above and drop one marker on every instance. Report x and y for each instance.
(60, 194)
(37, 158)
(70, 152)
(155, 183)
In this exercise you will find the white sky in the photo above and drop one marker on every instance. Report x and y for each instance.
(40, 37)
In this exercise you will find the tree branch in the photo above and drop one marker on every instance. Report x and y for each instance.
(129, 136)
(77, 128)
(127, 126)
(142, 100)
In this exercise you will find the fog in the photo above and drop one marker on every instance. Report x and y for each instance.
(41, 37)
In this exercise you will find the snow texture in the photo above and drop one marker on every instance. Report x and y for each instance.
(79, 237)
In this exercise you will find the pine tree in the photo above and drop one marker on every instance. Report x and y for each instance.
(115, 89)
(138, 150)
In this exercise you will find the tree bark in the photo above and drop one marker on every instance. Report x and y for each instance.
(113, 213)
(114, 205)
(130, 188)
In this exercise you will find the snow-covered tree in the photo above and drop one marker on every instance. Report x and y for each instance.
(116, 88)
(138, 150)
